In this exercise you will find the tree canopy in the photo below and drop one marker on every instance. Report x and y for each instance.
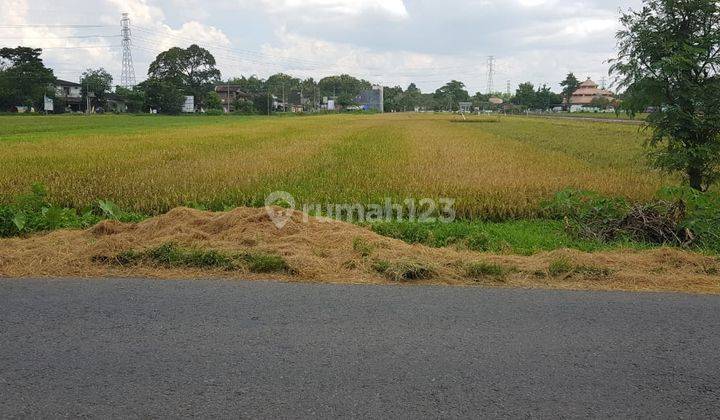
(192, 70)
(97, 82)
(24, 79)
(669, 58)
(570, 85)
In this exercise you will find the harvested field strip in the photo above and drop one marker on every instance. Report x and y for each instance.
(336, 252)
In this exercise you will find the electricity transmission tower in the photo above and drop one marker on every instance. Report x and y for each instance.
(508, 89)
(127, 77)
(491, 74)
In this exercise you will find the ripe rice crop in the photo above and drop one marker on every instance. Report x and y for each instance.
(495, 167)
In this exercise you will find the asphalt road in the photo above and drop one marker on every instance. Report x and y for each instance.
(137, 348)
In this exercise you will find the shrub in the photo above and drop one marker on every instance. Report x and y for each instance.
(591, 216)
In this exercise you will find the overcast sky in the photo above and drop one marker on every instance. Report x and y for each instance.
(385, 41)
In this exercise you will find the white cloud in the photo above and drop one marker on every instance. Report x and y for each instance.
(336, 9)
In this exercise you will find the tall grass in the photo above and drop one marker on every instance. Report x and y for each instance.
(496, 170)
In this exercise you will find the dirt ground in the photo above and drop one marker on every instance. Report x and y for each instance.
(335, 252)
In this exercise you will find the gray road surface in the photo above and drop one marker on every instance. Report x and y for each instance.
(139, 348)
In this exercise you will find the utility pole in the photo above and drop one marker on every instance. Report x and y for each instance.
(490, 74)
(127, 77)
(603, 81)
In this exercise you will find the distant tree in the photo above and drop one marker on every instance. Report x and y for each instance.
(134, 98)
(244, 107)
(600, 102)
(213, 101)
(449, 96)
(191, 70)
(545, 98)
(411, 98)
(525, 95)
(281, 85)
(309, 91)
(96, 82)
(669, 57)
(570, 85)
(392, 97)
(163, 96)
(251, 85)
(344, 88)
(24, 79)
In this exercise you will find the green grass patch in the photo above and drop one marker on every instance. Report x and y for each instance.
(171, 254)
(265, 263)
(523, 237)
(480, 270)
(560, 266)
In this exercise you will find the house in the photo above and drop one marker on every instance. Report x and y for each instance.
(229, 94)
(69, 95)
(584, 95)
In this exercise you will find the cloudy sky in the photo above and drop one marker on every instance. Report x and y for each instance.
(393, 42)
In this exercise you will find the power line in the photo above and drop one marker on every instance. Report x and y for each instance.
(52, 26)
(61, 37)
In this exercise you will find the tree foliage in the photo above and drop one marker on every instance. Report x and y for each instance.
(24, 79)
(669, 57)
(97, 82)
(191, 70)
(162, 96)
(570, 85)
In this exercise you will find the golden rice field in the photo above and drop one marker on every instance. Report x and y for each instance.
(494, 167)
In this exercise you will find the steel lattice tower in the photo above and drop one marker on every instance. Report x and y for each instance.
(127, 77)
(491, 74)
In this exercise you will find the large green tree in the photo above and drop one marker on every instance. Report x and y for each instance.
(570, 85)
(97, 82)
(24, 79)
(162, 96)
(669, 54)
(525, 95)
(191, 70)
(448, 97)
(344, 88)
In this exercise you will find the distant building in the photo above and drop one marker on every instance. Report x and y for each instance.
(588, 91)
(69, 94)
(229, 94)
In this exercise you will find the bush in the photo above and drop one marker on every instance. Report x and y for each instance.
(32, 213)
(591, 216)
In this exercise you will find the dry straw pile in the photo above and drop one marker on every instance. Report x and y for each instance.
(329, 251)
